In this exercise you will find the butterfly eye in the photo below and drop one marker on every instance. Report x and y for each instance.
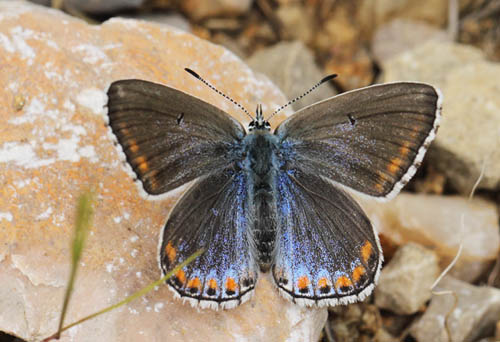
(267, 125)
(251, 125)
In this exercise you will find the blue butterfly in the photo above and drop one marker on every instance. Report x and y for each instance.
(273, 202)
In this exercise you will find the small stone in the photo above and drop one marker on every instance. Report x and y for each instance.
(436, 222)
(291, 66)
(297, 21)
(383, 335)
(430, 62)
(373, 13)
(402, 35)
(174, 20)
(354, 322)
(405, 282)
(470, 313)
(202, 9)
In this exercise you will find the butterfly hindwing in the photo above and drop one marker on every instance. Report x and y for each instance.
(371, 139)
(327, 252)
(213, 215)
(168, 136)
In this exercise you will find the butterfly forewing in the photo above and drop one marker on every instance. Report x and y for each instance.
(327, 252)
(370, 140)
(168, 136)
(213, 215)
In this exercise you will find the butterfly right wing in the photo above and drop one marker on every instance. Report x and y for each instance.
(371, 139)
(327, 252)
(214, 215)
(169, 137)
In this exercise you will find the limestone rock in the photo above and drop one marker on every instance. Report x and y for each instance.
(474, 316)
(54, 144)
(469, 136)
(436, 223)
(405, 282)
(375, 12)
(401, 35)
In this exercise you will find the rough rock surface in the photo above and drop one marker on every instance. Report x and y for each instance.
(474, 316)
(402, 35)
(436, 223)
(375, 12)
(54, 72)
(405, 282)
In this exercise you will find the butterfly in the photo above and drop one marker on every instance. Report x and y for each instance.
(273, 202)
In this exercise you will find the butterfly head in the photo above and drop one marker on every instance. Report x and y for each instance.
(259, 122)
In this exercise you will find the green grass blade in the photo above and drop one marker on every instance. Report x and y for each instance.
(84, 214)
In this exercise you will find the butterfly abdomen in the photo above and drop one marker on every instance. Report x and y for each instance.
(261, 171)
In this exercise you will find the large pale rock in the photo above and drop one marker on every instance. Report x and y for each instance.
(471, 312)
(441, 223)
(469, 132)
(401, 35)
(55, 70)
(376, 12)
(405, 282)
(430, 62)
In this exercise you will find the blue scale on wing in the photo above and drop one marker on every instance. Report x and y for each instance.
(212, 215)
(319, 248)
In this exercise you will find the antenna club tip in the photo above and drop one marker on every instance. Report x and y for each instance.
(328, 78)
(192, 73)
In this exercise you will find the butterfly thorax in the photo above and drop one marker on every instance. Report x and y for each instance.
(261, 167)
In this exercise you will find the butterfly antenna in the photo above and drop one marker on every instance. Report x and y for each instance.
(326, 79)
(219, 92)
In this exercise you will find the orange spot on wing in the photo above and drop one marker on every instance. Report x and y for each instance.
(394, 165)
(141, 163)
(379, 187)
(322, 282)
(366, 251)
(358, 273)
(343, 281)
(194, 283)
(303, 282)
(181, 276)
(212, 284)
(404, 150)
(170, 251)
(231, 284)
(133, 147)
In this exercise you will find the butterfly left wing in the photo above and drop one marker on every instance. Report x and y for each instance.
(170, 137)
(370, 140)
(327, 252)
(214, 215)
